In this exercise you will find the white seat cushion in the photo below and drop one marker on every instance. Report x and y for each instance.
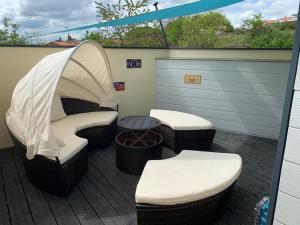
(66, 129)
(190, 176)
(180, 120)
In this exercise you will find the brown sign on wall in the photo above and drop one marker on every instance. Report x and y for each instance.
(192, 79)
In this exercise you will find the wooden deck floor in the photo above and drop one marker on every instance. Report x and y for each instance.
(106, 195)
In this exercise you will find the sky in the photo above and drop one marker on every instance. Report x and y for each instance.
(51, 15)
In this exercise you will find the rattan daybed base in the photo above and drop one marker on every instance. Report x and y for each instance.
(202, 212)
(98, 136)
(51, 176)
(59, 179)
(187, 139)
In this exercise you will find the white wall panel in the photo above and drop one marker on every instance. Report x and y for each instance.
(292, 148)
(246, 98)
(228, 65)
(227, 106)
(240, 96)
(229, 76)
(290, 179)
(295, 113)
(237, 87)
(297, 82)
(287, 209)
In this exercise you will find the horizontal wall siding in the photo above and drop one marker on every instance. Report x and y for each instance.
(295, 118)
(239, 96)
(288, 199)
(231, 76)
(223, 96)
(290, 179)
(287, 209)
(236, 87)
(297, 82)
(292, 152)
(224, 65)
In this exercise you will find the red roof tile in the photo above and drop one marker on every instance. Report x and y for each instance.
(64, 43)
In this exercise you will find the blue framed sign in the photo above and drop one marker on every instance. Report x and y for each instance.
(134, 63)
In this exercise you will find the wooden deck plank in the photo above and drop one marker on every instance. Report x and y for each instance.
(238, 215)
(108, 157)
(4, 212)
(115, 199)
(103, 209)
(37, 202)
(113, 176)
(17, 203)
(82, 209)
(62, 211)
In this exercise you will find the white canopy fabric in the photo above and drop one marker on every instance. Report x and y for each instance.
(82, 72)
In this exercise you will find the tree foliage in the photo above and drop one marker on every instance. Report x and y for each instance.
(144, 37)
(99, 37)
(277, 35)
(174, 31)
(214, 30)
(200, 31)
(9, 33)
(121, 9)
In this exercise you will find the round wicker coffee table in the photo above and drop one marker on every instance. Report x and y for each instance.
(140, 123)
(138, 143)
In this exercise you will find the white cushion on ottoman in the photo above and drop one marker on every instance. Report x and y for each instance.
(190, 176)
(180, 120)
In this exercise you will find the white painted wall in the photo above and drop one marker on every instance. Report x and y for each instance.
(240, 96)
(288, 200)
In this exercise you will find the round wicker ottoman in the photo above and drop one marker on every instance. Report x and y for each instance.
(135, 148)
(191, 188)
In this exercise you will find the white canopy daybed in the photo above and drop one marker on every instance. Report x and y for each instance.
(82, 74)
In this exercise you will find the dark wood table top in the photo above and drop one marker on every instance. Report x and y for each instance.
(139, 123)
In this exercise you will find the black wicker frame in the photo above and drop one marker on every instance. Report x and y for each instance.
(55, 178)
(132, 159)
(98, 136)
(187, 139)
(51, 176)
(74, 106)
(202, 212)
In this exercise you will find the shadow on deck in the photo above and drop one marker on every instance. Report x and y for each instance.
(106, 195)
